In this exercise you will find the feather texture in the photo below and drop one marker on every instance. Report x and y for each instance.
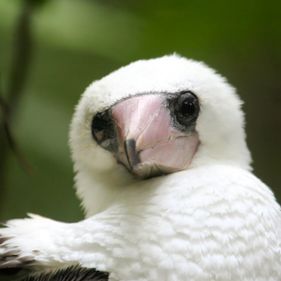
(227, 226)
(73, 273)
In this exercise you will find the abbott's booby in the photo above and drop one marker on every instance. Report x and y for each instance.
(164, 175)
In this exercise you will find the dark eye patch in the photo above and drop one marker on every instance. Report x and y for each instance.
(184, 109)
(103, 130)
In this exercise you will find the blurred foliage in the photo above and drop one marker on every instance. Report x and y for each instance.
(76, 42)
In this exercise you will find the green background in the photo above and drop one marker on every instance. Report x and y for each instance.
(76, 42)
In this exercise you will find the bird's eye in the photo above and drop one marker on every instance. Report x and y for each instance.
(185, 108)
(103, 130)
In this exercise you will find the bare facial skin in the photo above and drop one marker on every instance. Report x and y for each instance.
(147, 141)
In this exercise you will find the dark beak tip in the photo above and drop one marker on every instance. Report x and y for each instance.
(131, 153)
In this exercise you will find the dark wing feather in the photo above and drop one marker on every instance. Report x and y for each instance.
(73, 273)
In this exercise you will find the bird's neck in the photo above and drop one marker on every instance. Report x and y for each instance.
(97, 191)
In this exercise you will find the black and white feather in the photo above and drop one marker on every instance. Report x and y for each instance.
(70, 274)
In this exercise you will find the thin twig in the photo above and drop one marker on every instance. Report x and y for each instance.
(19, 68)
(10, 138)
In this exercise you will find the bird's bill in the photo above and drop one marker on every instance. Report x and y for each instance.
(148, 143)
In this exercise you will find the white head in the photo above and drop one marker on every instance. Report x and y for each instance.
(150, 118)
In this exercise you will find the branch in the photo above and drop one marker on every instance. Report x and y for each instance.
(19, 67)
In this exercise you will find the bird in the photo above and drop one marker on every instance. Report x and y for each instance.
(72, 273)
(164, 175)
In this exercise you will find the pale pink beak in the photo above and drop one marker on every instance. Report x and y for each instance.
(149, 144)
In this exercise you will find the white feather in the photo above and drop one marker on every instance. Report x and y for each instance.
(225, 226)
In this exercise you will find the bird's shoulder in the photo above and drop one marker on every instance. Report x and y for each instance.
(216, 191)
(218, 177)
(219, 180)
